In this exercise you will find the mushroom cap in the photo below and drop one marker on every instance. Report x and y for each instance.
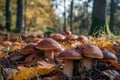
(40, 35)
(7, 43)
(30, 48)
(91, 51)
(48, 44)
(83, 39)
(107, 55)
(71, 37)
(67, 33)
(32, 36)
(35, 40)
(69, 54)
(24, 36)
(58, 37)
(59, 50)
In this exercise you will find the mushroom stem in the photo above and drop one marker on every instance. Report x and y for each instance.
(86, 64)
(49, 55)
(68, 68)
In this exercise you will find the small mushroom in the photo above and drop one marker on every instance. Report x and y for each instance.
(111, 58)
(59, 37)
(67, 33)
(68, 56)
(71, 40)
(50, 46)
(7, 43)
(71, 37)
(32, 59)
(82, 39)
(89, 52)
(30, 48)
(36, 40)
(107, 55)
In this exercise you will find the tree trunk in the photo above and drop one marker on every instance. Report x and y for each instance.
(71, 16)
(99, 19)
(8, 15)
(64, 28)
(19, 23)
(25, 9)
(112, 12)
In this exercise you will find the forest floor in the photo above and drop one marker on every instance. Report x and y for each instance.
(21, 59)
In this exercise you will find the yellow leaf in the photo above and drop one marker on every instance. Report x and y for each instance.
(107, 44)
(17, 43)
(2, 55)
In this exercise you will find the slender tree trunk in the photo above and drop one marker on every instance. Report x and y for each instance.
(112, 12)
(19, 23)
(99, 18)
(84, 24)
(25, 8)
(64, 28)
(8, 15)
(71, 16)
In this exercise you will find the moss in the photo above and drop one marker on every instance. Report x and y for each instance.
(98, 28)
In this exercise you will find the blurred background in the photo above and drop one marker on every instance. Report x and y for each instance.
(39, 16)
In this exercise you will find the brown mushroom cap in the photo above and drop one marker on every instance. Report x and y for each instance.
(58, 37)
(82, 39)
(30, 48)
(91, 51)
(40, 35)
(59, 50)
(48, 44)
(71, 37)
(32, 36)
(7, 43)
(107, 55)
(36, 40)
(67, 33)
(70, 54)
(24, 36)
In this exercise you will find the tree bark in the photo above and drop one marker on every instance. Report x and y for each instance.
(8, 15)
(112, 12)
(99, 19)
(19, 23)
(64, 28)
(71, 16)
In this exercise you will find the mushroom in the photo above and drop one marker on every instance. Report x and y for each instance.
(59, 37)
(40, 35)
(7, 43)
(50, 46)
(30, 48)
(67, 33)
(107, 55)
(68, 56)
(24, 36)
(111, 58)
(90, 52)
(71, 40)
(71, 37)
(82, 39)
(36, 40)
(32, 59)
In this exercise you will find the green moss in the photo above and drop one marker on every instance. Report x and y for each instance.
(98, 28)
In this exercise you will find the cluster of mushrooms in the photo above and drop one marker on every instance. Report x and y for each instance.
(80, 61)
